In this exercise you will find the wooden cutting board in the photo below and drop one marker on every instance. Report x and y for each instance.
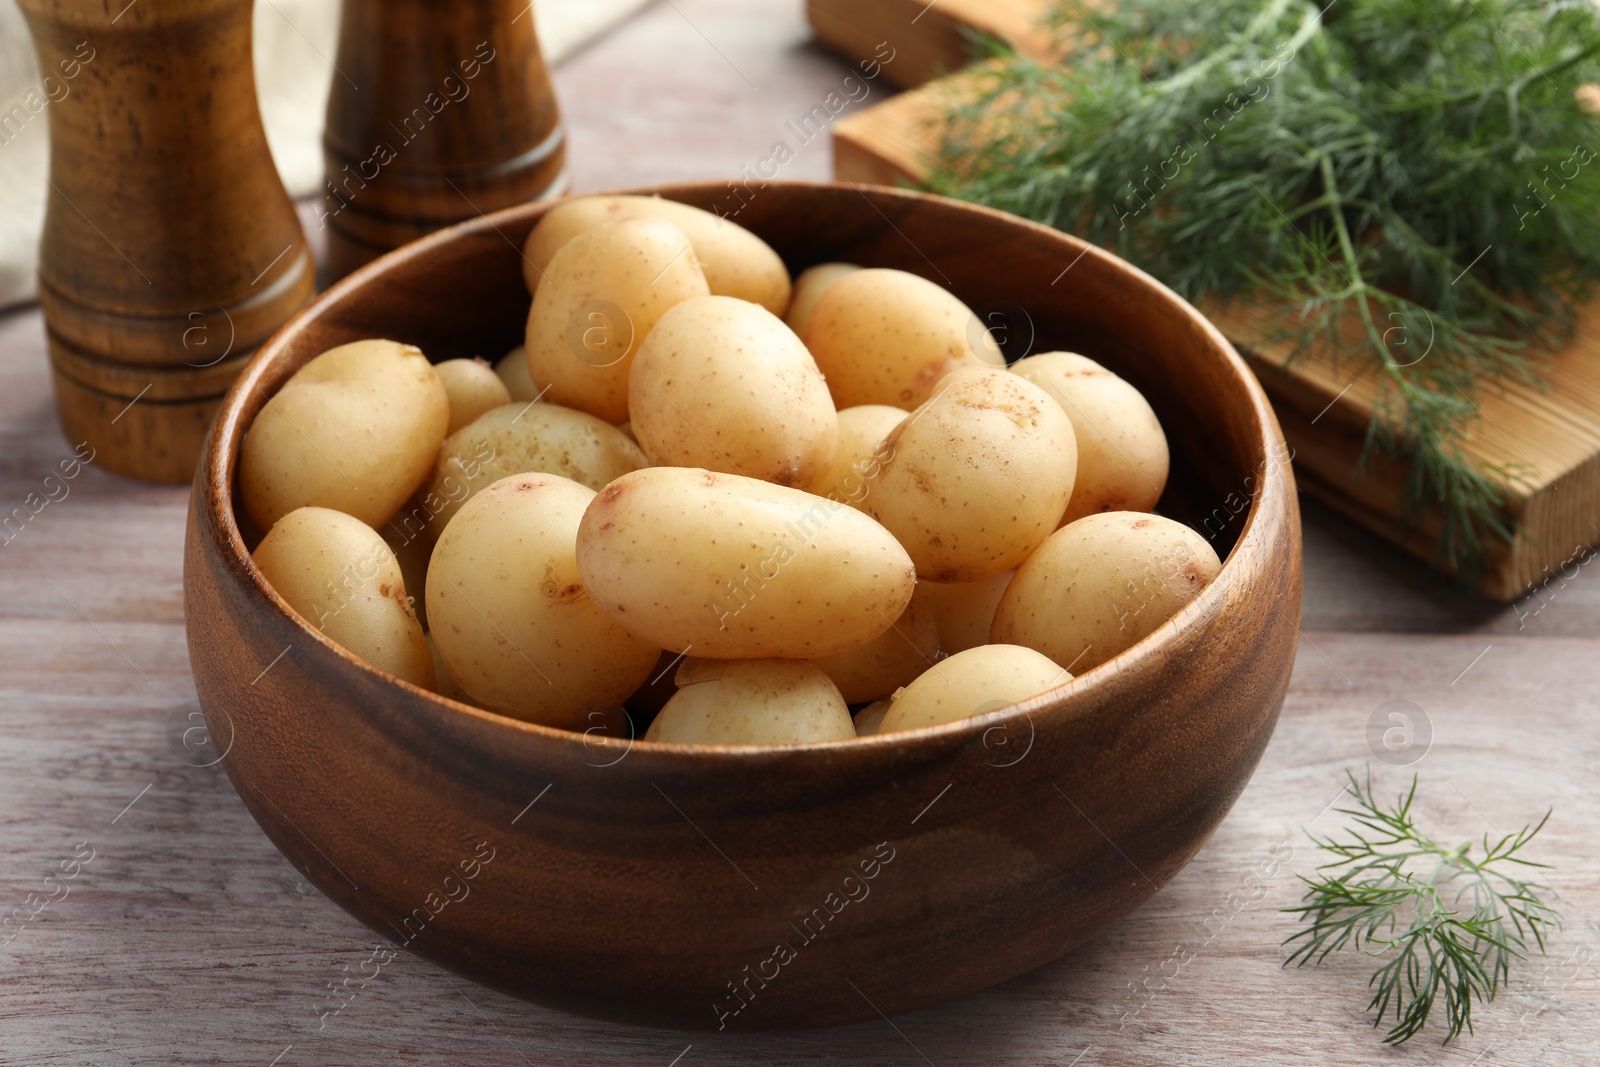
(1544, 440)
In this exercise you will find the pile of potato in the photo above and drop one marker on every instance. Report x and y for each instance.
(792, 498)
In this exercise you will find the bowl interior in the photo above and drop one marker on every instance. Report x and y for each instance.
(460, 293)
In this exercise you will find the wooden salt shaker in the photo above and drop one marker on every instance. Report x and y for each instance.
(170, 249)
(440, 110)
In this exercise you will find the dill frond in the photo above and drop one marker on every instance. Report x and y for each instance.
(1443, 924)
(1358, 165)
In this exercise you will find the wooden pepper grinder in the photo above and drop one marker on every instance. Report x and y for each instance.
(170, 249)
(440, 110)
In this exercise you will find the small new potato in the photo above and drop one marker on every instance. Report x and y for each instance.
(870, 718)
(1122, 451)
(892, 659)
(511, 618)
(723, 384)
(337, 573)
(856, 461)
(887, 337)
(518, 439)
(603, 293)
(512, 370)
(1099, 585)
(977, 478)
(473, 387)
(736, 262)
(412, 551)
(752, 702)
(445, 685)
(738, 568)
(964, 611)
(808, 289)
(355, 430)
(973, 682)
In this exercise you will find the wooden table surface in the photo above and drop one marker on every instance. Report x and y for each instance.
(188, 939)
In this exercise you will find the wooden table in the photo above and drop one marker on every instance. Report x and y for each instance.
(188, 939)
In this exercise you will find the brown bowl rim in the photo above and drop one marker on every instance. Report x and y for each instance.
(220, 458)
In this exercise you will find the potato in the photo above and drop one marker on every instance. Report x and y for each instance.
(1122, 452)
(736, 262)
(1101, 584)
(964, 611)
(808, 289)
(973, 682)
(602, 295)
(735, 568)
(723, 384)
(356, 430)
(512, 370)
(977, 478)
(336, 572)
(856, 460)
(647, 701)
(473, 388)
(412, 551)
(752, 702)
(445, 685)
(517, 439)
(512, 620)
(892, 659)
(870, 718)
(887, 337)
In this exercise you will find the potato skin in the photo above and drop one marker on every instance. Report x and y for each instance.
(964, 611)
(512, 370)
(870, 718)
(893, 659)
(862, 429)
(753, 702)
(603, 293)
(1099, 585)
(887, 337)
(356, 429)
(517, 439)
(736, 262)
(977, 478)
(412, 553)
(723, 384)
(472, 387)
(338, 574)
(808, 289)
(1122, 451)
(973, 682)
(737, 568)
(511, 619)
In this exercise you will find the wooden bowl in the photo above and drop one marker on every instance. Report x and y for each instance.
(761, 887)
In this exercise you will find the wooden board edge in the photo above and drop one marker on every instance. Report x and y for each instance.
(930, 39)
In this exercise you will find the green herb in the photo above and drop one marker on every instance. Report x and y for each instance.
(1412, 185)
(1442, 923)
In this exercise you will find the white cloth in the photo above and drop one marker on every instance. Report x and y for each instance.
(294, 41)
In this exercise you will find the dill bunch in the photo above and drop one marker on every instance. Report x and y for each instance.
(1411, 185)
(1446, 924)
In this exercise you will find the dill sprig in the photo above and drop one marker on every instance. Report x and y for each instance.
(1411, 186)
(1443, 923)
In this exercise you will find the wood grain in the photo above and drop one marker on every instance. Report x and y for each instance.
(1152, 746)
(190, 940)
(170, 249)
(457, 116)
(1539, 441)
(930, 39)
